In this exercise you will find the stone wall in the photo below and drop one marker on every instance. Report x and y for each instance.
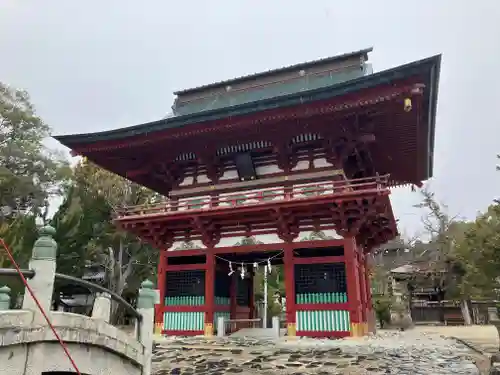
(28, 344)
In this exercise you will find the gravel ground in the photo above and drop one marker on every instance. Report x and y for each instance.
(386, 353)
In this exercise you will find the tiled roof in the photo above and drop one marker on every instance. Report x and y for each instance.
(303, 65)
(430, 65)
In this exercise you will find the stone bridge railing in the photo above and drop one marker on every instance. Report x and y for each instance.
(29, 346)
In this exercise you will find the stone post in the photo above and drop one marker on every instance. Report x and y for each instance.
(492, 314)
(221, 327)
(496, 324)
(146, 307)
(4, 298)
(276, 326)
(102, 307)
(43, 262)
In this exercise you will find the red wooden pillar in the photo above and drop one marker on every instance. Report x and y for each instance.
(290, 289)
(362, 282)
(353, 287)
(371, 319)
(161, 285)
(209, 292)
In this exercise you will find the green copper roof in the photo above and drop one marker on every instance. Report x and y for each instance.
(362, 53)
(428, 67)
(298, 84)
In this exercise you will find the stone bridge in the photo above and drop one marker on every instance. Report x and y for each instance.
(28, 345)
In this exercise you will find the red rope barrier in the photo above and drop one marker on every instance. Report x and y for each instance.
(25, 282)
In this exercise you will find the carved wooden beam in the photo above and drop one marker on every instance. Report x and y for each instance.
(209, 235)
(212, 165)
(286, 230)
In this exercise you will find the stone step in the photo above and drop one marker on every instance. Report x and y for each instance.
(261, 333)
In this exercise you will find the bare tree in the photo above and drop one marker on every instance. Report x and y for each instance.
(443, 229)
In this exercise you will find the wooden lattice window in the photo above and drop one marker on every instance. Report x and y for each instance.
(320, 278)
(185, 283)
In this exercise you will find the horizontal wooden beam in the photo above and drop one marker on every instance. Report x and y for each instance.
(185, 253)
(321, 306)
(337, 242)
(184, 308)
(246, 249)
(198, 308)
(319, 260)
(315, 244)
(185, 267)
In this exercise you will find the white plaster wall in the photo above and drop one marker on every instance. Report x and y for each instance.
(264, 238)
(97, 347)
(302, 164)
(318, 162)
(267, 169)
(321, 163)
(13, 359)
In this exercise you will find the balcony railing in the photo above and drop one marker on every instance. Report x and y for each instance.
(261, 196)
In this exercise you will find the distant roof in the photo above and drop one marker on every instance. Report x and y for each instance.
(361, 53)
(407, 268)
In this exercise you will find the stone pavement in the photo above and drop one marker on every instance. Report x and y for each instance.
(410, 352)
(482, 338)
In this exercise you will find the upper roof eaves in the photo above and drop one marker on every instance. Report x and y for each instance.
(371, 80)
(361, 53)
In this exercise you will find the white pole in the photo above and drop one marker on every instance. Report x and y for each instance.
(264, 318)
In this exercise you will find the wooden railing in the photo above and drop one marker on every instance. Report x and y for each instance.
(253, 197)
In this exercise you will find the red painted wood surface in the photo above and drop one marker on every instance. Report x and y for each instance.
(210, 287)
(378, 96)
(352, 275)
(269, 195)
(308, 213)
(289, 283)
(162, 283)
(186, 267)
(257, 248)
(319, 260)
(362, 283)
(184, 308)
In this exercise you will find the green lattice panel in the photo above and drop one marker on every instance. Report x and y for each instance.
(185, 301)
(321, 298)
(323, 320)
(184, 321)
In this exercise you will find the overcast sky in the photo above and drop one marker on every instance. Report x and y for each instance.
(103, 64)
